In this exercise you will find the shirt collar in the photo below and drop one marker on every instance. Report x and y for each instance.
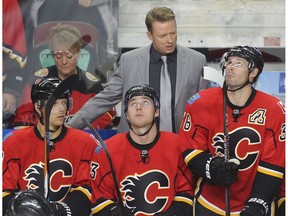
(156, 56)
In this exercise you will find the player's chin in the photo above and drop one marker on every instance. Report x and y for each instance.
(140, 124)
(59, 121)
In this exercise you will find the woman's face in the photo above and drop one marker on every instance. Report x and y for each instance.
(65, 61)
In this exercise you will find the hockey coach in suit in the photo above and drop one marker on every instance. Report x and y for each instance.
(143, 66)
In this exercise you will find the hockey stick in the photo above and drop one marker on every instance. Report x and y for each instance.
(214, 75)
(226, 147)
(210, 73)
(65, 84)
(103, 145)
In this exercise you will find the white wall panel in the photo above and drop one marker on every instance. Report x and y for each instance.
(209, 23)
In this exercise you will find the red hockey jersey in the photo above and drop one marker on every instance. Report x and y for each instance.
(148, 183)
(23, 162)
(256, 138)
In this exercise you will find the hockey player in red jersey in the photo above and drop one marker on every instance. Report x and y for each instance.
(65, 44)
(69, 156)
(151, 174)
(253, 172)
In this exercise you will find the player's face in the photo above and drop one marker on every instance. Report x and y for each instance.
(66, 62)
(140, 111)
(58, 113)
(164, 36)
(236, 72)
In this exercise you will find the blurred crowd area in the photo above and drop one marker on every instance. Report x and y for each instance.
(26, 52)
(26, 49)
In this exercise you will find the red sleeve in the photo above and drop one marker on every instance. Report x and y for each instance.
(195, 136)
(11, 164)
(102, 187)
(183, 179)
(274, 140)
(83, 173)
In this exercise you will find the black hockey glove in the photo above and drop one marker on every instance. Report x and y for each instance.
(28, 202)
(255, 207)
(119, 210)
(219, 172)
(60, 209)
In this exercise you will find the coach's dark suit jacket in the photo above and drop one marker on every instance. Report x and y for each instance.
(134, 70)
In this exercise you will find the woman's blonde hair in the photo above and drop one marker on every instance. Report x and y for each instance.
(65, 35)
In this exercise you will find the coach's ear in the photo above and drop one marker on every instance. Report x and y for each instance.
(149, 35)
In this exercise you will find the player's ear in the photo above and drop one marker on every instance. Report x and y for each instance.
(37, 108)
(157, 113)
(126, 116)
(253, 74)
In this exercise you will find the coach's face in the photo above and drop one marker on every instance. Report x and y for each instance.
(164, 36)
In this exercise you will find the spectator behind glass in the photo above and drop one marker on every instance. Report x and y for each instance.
(143, 66)
(69, 154)
(14, 59)
(149, 184)
(65, 44)
(252, 161)
(99, 13)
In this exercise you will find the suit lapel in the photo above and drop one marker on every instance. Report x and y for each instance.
(143, 64)
(182, 64)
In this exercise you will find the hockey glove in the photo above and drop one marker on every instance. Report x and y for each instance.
(60, 209)
(119, 210)
(255, 207)
(219, 172)
(28, 202)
